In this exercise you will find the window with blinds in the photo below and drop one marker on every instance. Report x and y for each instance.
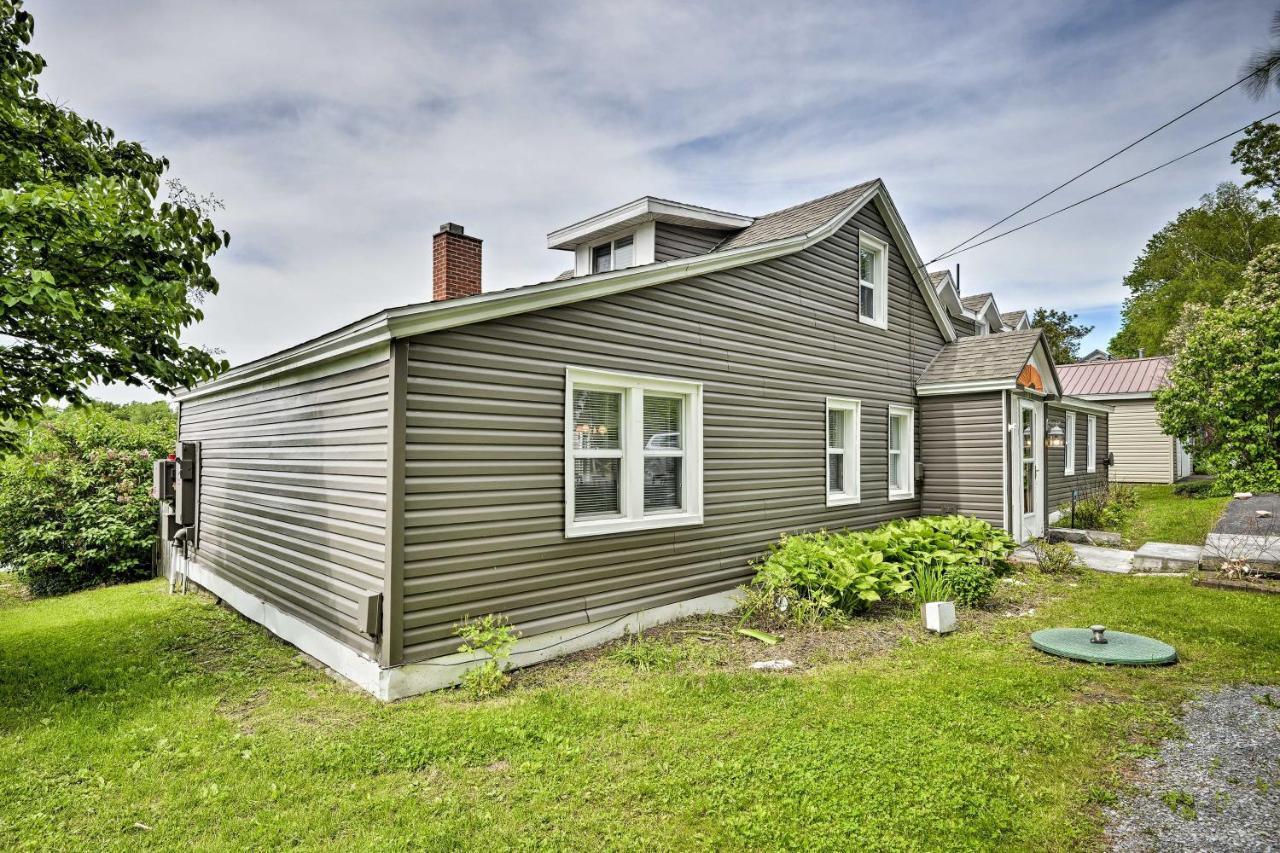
(901, 452)
(633, 452)
(843, 452)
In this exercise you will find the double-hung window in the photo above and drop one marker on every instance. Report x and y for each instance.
(614, 255)
(873, 277)
(633, 452)
(1091, 447)
(901, 452)
(1070, 467)
(844, 437)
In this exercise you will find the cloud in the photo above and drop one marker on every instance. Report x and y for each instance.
(340, 136)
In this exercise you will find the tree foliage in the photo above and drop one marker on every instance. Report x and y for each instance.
(97, 278)
(1222, 400)
(1258, 156)
(1197, 258)
(1062, 333)
(75, 503)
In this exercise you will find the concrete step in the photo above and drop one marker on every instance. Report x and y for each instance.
(1167, 557)
(1111, 560)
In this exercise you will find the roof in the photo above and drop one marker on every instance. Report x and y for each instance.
(939, 277)
(798, 219)
(1117, 376)
(644, 209)
(1097, 355)
(1013, 318)
(774, 235)
(982, 358)
(975, 302)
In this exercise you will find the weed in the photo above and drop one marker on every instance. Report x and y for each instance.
(493, 636)
(1054, 558)
(1180, 803)
(647, 654)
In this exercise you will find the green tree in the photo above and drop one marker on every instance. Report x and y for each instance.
(1258, 156)
(97, 277)
(1061, 332)
(75, 502)
(1222, 399)
(1197, 258)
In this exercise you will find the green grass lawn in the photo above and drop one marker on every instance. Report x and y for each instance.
(1162, 516)
(130, 719)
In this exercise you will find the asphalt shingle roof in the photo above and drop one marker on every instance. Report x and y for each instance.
(984, 357)
(975, 301)
(797, 220)
(938, 277)
(1012, 318)
(1117, 376)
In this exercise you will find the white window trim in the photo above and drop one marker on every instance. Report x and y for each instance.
(613, 252)
(852, 451)
(880, 287)
(909, 452)
(1091, 461)
(631, 488)
(1069, 467)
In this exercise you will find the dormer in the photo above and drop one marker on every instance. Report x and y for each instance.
(645, 231)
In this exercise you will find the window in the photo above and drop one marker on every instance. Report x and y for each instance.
(901, 452)
(615, 255)
(873, 298)
(1070, 467)
(1091, 448)
(633, 452)
(844, 437)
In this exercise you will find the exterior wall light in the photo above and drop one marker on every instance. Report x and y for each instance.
(1056, 437)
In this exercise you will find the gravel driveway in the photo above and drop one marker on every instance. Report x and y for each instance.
(1219, 789)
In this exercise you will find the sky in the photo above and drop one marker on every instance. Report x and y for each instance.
(340, 135)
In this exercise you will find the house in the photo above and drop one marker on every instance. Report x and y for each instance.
(976, 314)
(1097, 355)
(1143, 452)
(608, 449)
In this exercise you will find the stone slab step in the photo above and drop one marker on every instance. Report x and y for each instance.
(1167, 557)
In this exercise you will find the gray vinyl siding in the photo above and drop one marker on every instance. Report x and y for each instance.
(293, 494)
(1057, 484)
(484, 458)
(962, 448)
(683, 241)
(966, 327)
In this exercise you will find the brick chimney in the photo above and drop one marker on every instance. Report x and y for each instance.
(455, 263)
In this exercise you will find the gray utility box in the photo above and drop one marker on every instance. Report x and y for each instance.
(162, 474)
(185, 484)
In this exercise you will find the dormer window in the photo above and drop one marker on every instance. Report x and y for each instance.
(873, 288)
(614, 255)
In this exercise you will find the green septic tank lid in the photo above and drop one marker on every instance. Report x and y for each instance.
(1119, 647)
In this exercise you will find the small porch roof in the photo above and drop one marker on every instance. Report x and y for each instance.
(1008, 360)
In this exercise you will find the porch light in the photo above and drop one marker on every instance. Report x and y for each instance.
(1057, 436)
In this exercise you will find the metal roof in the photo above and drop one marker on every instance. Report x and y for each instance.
(1117, 376)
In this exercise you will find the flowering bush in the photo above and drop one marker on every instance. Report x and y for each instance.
(75, 503)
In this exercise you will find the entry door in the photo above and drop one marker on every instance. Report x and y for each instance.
(1029, 472)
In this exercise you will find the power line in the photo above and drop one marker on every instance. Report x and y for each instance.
(1103, 162)
(1223, 138)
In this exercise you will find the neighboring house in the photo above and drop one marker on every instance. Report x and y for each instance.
(1143, 452)
(1097, 355)
(977, 314)
(611, 448)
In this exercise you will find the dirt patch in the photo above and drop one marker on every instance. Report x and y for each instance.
(710, 643)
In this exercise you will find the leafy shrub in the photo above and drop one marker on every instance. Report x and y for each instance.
(75, 503)
(971, 583)
(1193, 488)
(495, 637)
(819, 578)
(1054, 558)
(1103, 510)
(823, 578)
